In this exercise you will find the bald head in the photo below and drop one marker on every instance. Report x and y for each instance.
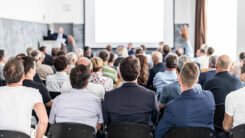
(156, 57)
(223, 63)
(84, 61)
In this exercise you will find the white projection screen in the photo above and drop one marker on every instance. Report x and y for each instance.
(117, 22)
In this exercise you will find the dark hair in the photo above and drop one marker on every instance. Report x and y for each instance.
(212, 61)
(242, 55)
(144, 71)
(111, 58)
(21, 55)
(104, 55)
(210, 51)
(60, 63)
(109, 48)
(171, 61)
(143, 47)
(243, 69)
(189, 74)
(42, 48)
(202, 51)
(54, 51)
(129, 68)
(61, 53)
(1, 54)
(28, 63)
(13, 70)
(79, 76)
(166, 49)
(139, 51)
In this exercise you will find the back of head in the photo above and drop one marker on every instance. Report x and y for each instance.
(79, 76)
(122, 51)
(242, 55)
(28, 63)
(171, 61)
(210, 51)
(139, 50)
(223, 63)
(79, 52)
(104, 55)
(71, 57)
(181, 62)
(111, 58)
(84, 61)
(129, 68)
(1, 54)
(54, 52)
(60, 63)
(189, 74)
(212, 61)
(109, 48)
(143, 47)
(179, 52)
(243, 69)
(166, 49)
(28, 51)
(36, 54)
(13, 70)
(42, 48)
(97, 63)
(61, 53)
(156, 57)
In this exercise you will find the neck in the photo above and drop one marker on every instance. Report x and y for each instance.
(106, 62)
(28, 77)
(156, 63)
(62, 70)
(222, 70)
(14, 84)
(170, 69)
(183, 88)
(110, 64)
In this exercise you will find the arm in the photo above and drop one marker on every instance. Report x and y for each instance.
(43, 119)
(155, 110)
(49, 104)
(106, 115)
(185, 34)
(227, 123)
(163, 97)
(150, 81)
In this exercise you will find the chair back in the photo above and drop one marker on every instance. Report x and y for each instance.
(128, 130)
(189, 132)
(12, 134)
(70, 130)
(238, 131)
(219, 116)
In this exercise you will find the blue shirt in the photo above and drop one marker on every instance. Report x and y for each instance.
(192, 109)
(188, 49)
(163, 78)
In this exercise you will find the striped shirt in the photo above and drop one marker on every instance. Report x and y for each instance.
(109, 72)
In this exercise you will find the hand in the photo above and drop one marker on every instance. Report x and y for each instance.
(184, 32)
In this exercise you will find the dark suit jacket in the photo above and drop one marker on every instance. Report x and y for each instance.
(222, 84)
(54, 36)
(193, 108)
(157, 68)
(205, 76)
(130, 103)
(48, 60)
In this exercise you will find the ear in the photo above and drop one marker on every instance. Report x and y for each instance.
(180, 81)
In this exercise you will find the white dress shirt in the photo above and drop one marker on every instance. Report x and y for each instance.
(55, 82)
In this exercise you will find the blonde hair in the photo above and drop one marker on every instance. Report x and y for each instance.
(97, 63)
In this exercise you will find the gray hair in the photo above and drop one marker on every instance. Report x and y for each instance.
(29, 50)
(212, 61)
(79, 52)
(71, 56)
(181, 62)
(36, 54)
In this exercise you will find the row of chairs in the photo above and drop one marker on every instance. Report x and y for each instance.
(123, 130)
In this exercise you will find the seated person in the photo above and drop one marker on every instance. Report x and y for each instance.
(172, 90)
(48, 60)
(72, 59)
(55, 82)
(205, 76)
(17, 102)
(30, 71)
(2, 63)
(163, 78)
(242, 75)
(192, 109)
(85, 108)
(130, 102)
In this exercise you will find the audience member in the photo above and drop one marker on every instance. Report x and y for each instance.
(48, 60)
(163, 78)
(179, 52)
(30, 71)
(43, 70)
(2, 63)
(200, 53)
(87, 52)
(79, 52)
(160, 48)
(238, 65)
(180, 111)
(55, 82)
(97, 76)
(131, 50)
(242, 75)
(150, 64)
(72, 59)
(54, 52)
(17, 102)
(172, 90)
(109, 48)
(204, 62)
(144, 71)
(139, 51)
(107, 71)
(60, 36)
(29, 50)
(85, 108)
(71, 44)
(20, 55)
(111, 61)
(121, 53)
(124, 104)
(223, 82)
(158, 67)
(205, 76)
(93, 88)
(166, 51)
(60, 53)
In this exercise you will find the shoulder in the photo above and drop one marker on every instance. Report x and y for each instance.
(236, 93)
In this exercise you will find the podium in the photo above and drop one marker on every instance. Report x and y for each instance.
(49, 44)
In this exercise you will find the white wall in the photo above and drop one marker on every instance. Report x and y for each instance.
(240, 27)
(27, 10)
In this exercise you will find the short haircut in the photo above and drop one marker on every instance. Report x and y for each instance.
(1, 54)
(202, 51)
(28, 63)
(171, 61)
(212, 61)
(243, 69)
(36, 54)
(224, 62)
(104, 55)
(71, 56)
(109, 48)
(139, 50)
(189, 74)
(181, 62)
(242, 55)
(42, 48)
(111, 58)
(79, 76)
(13, 70)
(20, 55)
(210, 51)
(28, 51)
(61, 53)
(60, 63)
(129, 68)
(157, 56)
(54, 51)
(97, 63)
(166, 49)
(143, 47)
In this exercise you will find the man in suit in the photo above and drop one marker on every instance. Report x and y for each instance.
(194, 108)
(60, 36)
(130, 102)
